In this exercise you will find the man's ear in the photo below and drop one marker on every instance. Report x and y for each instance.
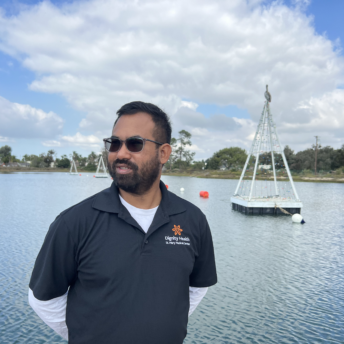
(165, 152)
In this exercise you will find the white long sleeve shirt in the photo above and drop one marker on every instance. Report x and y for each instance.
(53, 312)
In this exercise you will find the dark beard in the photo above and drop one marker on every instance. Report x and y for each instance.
(139, 181)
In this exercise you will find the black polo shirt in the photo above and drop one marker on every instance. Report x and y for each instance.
(126, 286)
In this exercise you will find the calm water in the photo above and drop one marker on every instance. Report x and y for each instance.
(279, 282)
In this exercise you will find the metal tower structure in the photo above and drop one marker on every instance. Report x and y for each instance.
(101, 165)
(266, 184)
(73, 166)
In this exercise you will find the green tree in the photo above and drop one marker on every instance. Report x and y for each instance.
(64, 162)
(79, 160)
(304, 160)
(48, 158)
(184, 155)
(37, 161)
(5, 154)
(339, 158)
(26, 157)
(198, 165)
(92, 158)
(230, 158)
(289, 155)
(92, 161)
(14, 159)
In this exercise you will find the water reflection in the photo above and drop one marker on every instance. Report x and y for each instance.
(279, 282)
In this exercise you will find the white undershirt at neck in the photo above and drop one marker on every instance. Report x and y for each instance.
(144, 217)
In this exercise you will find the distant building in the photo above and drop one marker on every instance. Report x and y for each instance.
(264, 167)
(23, 164)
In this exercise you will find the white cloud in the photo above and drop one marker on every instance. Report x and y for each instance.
(51, 143)
(79, 140)
(325, 118)
(210, 134)
(189, 105)
(25, 121)
(4, 139)
(85, 142)
(101, 54)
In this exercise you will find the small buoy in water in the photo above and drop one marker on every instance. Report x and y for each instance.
(94, 176)
(181, 189)
(297, 218)
(204, 194)
(79, 174)
(166, 186)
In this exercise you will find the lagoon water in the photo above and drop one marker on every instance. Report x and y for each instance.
(279, 282)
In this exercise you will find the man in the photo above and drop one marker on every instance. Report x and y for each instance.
(129, 264)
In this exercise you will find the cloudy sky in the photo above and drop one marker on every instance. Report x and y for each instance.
(67, 66)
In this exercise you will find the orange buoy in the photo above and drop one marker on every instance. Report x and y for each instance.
(93, 176)
(204, 194)
(79, 174)
(166, 186)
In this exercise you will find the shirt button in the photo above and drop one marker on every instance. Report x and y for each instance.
(146, 242)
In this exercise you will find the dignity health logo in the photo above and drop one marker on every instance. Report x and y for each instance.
(177, 230)
(175, 240)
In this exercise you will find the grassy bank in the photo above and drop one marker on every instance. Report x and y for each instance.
(326, 178)
(321, 178)
(29, 169)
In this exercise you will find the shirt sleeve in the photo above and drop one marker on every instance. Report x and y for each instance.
(196, 295)
(55, 267)
(204, 270)
(52, 312)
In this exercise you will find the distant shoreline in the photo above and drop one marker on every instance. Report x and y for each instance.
(228, 175)
(24, 169)
(196, 174)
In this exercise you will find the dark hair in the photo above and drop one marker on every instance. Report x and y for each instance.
(162, 131)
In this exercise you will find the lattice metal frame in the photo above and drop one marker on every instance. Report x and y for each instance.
(265, 143)
(73, 165)
(101, 166)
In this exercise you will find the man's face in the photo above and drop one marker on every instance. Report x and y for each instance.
(135, 172)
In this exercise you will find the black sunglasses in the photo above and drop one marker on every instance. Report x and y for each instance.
(134, 144)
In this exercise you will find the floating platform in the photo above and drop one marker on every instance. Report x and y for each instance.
(265, 206)
(101, 176)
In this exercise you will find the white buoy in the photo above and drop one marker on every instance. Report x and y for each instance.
(181, 189)
(297, 218)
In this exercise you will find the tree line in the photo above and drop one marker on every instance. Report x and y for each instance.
(45, 160)
(231, 158)
(234, 158)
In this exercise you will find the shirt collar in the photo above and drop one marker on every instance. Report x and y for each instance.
(108, 201)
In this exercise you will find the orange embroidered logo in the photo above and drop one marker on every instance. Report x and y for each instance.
(177, 230)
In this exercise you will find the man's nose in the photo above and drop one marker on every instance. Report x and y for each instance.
(123, 153)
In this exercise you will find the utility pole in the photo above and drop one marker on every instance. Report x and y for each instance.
(316, 154)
